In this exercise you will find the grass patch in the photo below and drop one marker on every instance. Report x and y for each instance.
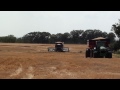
(117, 55)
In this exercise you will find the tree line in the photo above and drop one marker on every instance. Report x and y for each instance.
(116, 30)
(72, 37)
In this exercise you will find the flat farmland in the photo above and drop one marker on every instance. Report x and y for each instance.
(33, 61)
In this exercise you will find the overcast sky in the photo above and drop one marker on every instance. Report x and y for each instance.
(19, 23)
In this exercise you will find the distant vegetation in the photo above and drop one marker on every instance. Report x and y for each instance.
(74, 37)
(116, 29)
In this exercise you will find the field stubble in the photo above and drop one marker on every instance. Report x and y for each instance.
(33, 61)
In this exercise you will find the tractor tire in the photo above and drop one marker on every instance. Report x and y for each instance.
(91, 53)
(95, 55)
(87, 53)
(108, 55)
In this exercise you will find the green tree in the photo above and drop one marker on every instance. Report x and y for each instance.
(59, 36)
(116, 29)
(88, 34)
(66, 37)
(36, 37)
(8, 39)
(53, 38)
(19, 40)
(76, 35)
(111, 36)
(44, 37)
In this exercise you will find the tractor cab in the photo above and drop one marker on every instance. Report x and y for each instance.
(59, 46)
(100, 45)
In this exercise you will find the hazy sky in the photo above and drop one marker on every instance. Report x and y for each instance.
(19, 23)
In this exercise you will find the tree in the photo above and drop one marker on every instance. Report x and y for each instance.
(76, 35)
(53, 38)
(116, 29)
(66, 37)
(88, 34)
(44, 37)
(19, 40)
(98, 33)
(8, 39)
(59, 36)
(111, 36)
(28, 38)
(11, 38)
(36, 37)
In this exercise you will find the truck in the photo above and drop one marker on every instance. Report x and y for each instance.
(59, 47)
(98, 48)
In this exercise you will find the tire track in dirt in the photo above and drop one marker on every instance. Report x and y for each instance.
(110, 73)
(17, 71)
(62, 73)
(29, 74)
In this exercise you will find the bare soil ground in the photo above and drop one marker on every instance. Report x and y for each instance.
(33, 61)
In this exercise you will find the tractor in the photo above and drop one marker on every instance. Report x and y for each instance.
(98, 48)
(59, 47)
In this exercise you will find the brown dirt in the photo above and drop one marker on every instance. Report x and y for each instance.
(33, 61)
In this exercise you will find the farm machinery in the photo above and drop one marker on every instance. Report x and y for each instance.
(98, 48)
(59, 47)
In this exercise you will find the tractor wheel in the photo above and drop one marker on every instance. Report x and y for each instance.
(87, 53)
(108, 55)
(95, 55)
(91, 53)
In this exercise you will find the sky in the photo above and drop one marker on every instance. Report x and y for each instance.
(19, 23)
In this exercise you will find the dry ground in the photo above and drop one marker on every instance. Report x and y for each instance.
(33, 61)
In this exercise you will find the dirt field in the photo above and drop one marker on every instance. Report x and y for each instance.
(33, 61)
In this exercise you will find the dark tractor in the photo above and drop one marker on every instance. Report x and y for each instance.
(59, 46)
(99, 48)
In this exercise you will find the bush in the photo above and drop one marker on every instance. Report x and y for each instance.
(117, 52)
(115, 46)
